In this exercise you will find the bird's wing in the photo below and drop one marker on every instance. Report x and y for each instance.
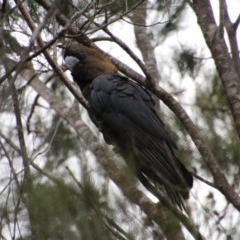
(122, 102)
(126, 108)
(127, 114)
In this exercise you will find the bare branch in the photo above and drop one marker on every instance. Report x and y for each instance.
(55, 67)
(224, 63)
(232, 36)
(10, 143)
(18, 66)
(130, 53)
(20, 132)
(144, 44)
(236, 23)
(203, 180)
(27, 176)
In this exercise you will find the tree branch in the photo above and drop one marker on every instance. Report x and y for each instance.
(223, 61)
(219, 178)
(144, 44)
(50, 60)
(231, 32)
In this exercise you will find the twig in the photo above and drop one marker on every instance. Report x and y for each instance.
(232, 35)
(29, 58)
(23, 149)
(143, 42)
(203, 180)
(130, 53)
(11, 166)
(50, 60)
(10, 143)
(103, 216)
(236, 23)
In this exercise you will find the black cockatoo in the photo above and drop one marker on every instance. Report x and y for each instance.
(124, 112)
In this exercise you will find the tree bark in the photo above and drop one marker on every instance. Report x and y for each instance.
(225, 65)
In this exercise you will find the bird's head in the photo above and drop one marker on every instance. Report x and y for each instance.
(86, 63)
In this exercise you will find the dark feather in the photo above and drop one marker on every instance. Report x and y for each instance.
(124, 112)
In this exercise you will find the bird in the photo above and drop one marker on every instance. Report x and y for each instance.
(125, 113)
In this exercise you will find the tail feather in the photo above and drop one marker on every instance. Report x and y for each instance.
(176, 181)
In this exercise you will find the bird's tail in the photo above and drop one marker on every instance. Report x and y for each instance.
(166, 174)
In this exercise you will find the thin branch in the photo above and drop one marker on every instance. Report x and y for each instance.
(232, 36)
(203, 180)
(119, 231)
(19, 187)
(10, 143)
(107, 22)
(101, 38)
(26, 59)
(11, 165)
(236, 23)
(50, 60)
(17, 111)
(34, 104)
(21, 139)
(51, 13)
(130, 53)
(144, 44)
(3, 8)
(116, 230)
(126, 70)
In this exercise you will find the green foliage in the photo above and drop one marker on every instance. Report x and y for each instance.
(66, 8)
(120, 6)
(217, 122)
(186, 62)
(11, 43)
(52, 212)
(62, 142)
(169, 18)
(65, 211)
(34, 10)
